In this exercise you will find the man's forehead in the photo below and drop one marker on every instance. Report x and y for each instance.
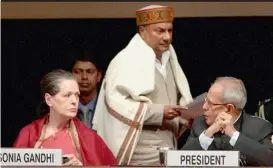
(215, 91)
(84, 64)
(162, 25)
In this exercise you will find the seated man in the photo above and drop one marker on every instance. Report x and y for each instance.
(225, 126)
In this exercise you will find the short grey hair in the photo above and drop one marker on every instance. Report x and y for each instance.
(234, 91)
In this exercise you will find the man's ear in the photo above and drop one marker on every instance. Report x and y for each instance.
(141, 30)
(230, 108)
(99, 76)
(48, 99)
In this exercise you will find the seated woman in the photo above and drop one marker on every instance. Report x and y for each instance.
(59, 128)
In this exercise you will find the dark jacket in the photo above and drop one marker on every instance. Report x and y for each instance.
(254, 141)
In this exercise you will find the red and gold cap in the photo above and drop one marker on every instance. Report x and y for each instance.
(154, 14)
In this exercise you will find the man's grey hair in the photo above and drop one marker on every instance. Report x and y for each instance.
(234, 91)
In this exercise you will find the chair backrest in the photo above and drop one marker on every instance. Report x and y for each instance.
(265, 110)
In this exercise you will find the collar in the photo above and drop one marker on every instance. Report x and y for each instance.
(165, 58)
(90, 105)
(237, 118)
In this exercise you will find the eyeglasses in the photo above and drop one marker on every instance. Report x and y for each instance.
(210, 104)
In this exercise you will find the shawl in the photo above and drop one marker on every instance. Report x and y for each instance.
(91, 149)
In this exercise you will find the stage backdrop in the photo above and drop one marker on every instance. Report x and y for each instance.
(206, 47)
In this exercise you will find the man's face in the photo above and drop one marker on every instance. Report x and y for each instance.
(213, 104)
(158, 36)
(87, 76)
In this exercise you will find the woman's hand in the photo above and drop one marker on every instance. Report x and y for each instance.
(72, 160)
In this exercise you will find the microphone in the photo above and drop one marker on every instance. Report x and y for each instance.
(242, 160)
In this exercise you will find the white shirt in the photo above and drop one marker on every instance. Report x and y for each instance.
(205, 141)
(162, 67)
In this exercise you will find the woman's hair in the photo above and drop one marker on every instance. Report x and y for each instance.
(50, 84)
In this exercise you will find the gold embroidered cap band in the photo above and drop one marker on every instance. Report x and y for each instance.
(154, 14)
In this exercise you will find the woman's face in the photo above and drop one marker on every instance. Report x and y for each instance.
(66, 101)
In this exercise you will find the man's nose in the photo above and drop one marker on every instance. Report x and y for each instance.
(84, 75)
(205, 106)
(167, 36)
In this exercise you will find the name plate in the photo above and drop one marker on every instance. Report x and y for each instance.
(30, 157)
(202, 158)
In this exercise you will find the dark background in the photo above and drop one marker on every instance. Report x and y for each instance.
(207, 48)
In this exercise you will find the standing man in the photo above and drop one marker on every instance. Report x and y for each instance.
(143, 92)
(86, 69)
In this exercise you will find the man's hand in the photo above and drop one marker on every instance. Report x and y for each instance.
(73, 161)
(215, 127)
(226, 123)
(170, 112)
(182, 110)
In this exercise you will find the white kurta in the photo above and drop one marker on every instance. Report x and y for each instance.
(165, 93)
